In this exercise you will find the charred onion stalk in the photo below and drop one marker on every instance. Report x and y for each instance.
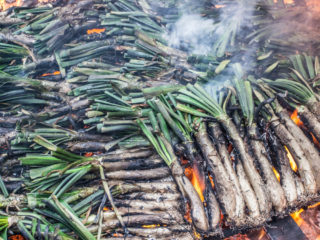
(197, 96)
(310, 120)
(288, 140)
(24, 221)
(150, 187)
(157, 231)
(134, 220)
(245, 196)
(151, 162)
(35, 200)
(153, 196)
(156, 173)
(164, 149)
(57, 135)
(245, 98)
(223, 183)
(67, 168)
(277, 195)
(182, 236)
(213, 211)
(183, 131)
(311, 153)
(288, 178)
(126, 154)
(305, 95)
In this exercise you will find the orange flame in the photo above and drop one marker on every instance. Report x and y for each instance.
(316, 142)
(293, 164)
(221, 219)
(295, 118)
(51, 74)
(211, 181)
(96, 30)
(276, 173)
(198, 181)
(306, 225)
(296, 217)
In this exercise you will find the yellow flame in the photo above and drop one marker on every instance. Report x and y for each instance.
(276, 173)
(197, 235)
(198, 187)
(151, 226)
(291, 159)
(296, 217)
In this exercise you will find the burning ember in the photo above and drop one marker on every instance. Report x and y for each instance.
(117, 235)
(211, 180)
(16, 237)
(95, 31)
(51, 74)
(88, 154)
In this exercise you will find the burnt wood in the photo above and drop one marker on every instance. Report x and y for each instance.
(285, 229)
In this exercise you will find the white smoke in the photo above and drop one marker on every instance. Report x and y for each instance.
(192, 32)
(219, 37)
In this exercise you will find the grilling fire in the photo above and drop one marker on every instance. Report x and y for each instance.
(98, 98)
